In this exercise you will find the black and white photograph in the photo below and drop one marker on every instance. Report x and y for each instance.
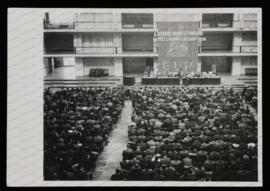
(136, 97)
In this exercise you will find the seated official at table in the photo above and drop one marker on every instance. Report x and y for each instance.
(147, 72)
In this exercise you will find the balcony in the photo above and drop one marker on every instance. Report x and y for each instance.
(137, 21)
(217, 25)
(111, 51)
(97, 50)
(217, 20)
(231, 26)
(47, 25)
(246, 25)
(234, 49)
(97, 25)
(62, 50)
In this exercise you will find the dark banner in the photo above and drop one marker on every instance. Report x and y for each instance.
(177, 51)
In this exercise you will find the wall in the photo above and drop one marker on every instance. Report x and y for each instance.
(217, 42)
(89, 63)
(118, 66)
(249, 38)
(79, 66)
(223, 64)
(134, 65)
(97, 21)
(248, 62)
(137, 41)
(59, 41)
(95, 43)
(176, 17)
(236, 66)
(97, 40)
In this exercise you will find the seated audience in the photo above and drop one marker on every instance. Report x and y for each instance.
(77, 122)
(190, 134)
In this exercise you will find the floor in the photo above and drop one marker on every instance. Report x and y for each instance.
(110, 158)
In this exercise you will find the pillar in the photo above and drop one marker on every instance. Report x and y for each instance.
(199, 65)
(237, 42)
(79, 66)
(155, 66)
(236, 66)
(118, 67)
(117, 40)
(78, 43)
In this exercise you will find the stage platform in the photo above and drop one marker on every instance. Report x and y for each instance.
(186, 81)
(234, 81)
(161, 81)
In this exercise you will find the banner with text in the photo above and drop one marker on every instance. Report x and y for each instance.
(178, 46)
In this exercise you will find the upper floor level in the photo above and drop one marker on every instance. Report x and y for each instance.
(148, 22)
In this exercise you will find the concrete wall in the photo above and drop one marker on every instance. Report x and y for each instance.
(237, 41)
(218, 41)
(118, 67)
(58, 41)
(79, 66)
(97, 39)
(137, 41)
(105, 63)
(236, 66)
(248, 62)
(249, 38)
(98, 21)
(176, 17)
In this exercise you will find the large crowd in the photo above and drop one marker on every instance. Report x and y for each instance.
(180, 134)
(190, 134)
(77, 122)
(251, 97)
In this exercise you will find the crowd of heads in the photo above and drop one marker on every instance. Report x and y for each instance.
(180, 134)
(190, 134)
(77, 123)
(250, 96)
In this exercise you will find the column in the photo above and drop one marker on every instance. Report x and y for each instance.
(78, 43)
(236, 66)
(118, 67)
(79, 66)
(155, 65)
(199, 65)
(237, 42)
(117, 41)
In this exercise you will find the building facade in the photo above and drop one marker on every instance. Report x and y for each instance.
(126, 43)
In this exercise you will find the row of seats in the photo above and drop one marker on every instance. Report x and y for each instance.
(77, 122)
(98, 72)
(194, 134)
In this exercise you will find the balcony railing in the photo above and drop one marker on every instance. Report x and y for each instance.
(98, 50)
(58, 25)
(223, 49)
(96, 25)
(137, 25)
(216, 24)
(64, 50)
(245, 24)
(138, 49)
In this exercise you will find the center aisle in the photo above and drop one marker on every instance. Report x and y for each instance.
(110, 158)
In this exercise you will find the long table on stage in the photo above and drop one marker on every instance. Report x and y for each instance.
(161, 81)
(176, 81)
(202, 81)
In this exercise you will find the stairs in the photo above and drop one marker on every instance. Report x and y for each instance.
(249, 80)
(83, 82)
